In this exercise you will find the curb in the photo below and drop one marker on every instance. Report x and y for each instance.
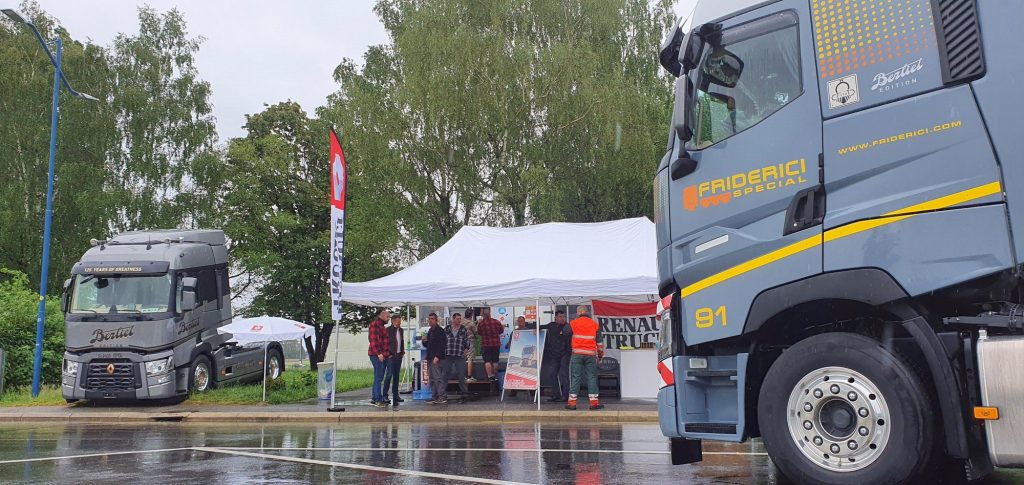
(455, 417)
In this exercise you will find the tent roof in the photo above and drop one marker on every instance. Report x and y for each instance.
(562, 263)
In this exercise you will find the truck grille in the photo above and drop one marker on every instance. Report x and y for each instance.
(100, 377)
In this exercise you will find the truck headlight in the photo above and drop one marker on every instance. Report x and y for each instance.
(70, 368)
(162, 366)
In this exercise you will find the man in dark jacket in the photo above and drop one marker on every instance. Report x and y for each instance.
(379, 352)
(437, 343)
(392, 372)
(557, 353)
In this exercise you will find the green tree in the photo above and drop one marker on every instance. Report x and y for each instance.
(164, 126)
(127, 162)
(507, 113)
(18, 305)
(277, 219)
(82, 206)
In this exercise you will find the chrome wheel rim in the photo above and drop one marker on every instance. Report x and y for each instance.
(274, 369)
(202, 377)
(838, 419)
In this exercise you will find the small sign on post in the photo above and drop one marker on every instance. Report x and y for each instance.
(325, 381)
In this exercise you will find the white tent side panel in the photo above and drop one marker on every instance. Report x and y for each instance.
(565, 263)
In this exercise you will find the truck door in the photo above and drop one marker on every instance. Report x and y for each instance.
(748, 217)
(914, 185)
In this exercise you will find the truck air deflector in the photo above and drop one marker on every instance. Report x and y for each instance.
(945, 202)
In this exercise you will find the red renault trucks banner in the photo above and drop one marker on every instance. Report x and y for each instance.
(627, 324)
(339, 180)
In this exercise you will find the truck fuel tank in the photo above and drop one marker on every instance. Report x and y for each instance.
(1000, 360)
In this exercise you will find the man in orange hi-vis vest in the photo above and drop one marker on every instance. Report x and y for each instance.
(586, 350)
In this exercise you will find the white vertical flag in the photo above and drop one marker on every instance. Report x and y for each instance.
(339, 182)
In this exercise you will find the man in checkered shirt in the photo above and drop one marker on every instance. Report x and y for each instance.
(458, 348)
(379, 352)
(490, 331)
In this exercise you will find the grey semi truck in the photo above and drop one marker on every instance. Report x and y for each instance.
(141, 313)
(841, 236)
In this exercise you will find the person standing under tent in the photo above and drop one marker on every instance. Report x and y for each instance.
(469, 322)
(379, 351)
(456, 351)
(557, 353)
(490, 335)
(585, 335)
(392, 373)
(437, 344)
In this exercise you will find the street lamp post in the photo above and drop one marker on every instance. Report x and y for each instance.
(58, 79)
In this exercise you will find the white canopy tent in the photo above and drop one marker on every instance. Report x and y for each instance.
(554, 263)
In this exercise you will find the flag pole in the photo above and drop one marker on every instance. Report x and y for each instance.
(339, 192)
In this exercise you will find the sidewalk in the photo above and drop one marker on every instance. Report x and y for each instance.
(488, 409)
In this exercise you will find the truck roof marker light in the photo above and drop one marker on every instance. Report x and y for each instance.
(986, 413)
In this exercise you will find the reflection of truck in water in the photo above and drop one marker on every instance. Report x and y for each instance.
(835, 214)
(529, 356)
(141, 314)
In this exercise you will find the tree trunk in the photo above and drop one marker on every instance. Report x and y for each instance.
(319, 351)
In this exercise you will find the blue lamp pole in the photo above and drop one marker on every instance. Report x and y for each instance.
(58, 78)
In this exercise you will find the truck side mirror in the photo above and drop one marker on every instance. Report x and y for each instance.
(188, 294)
(188, 300)
(65, 298)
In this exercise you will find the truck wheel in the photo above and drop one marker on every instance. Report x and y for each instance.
(839, 408)
(200, 376)
(275, 364)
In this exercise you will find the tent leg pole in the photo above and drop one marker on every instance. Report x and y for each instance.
(540, 352)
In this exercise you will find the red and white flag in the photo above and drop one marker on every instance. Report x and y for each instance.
(339, 182)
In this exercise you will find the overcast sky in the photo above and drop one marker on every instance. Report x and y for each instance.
(257, 51)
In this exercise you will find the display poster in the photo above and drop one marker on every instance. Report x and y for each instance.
(627, 325)
(325, 380)
(524, 360)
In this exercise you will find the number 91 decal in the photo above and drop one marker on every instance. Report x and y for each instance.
(707, 317)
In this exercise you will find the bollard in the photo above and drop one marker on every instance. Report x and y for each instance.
(3, 361)
(265, 365)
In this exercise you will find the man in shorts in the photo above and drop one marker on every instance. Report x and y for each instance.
(490, 331)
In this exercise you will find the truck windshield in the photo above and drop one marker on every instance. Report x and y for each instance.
(121, 294)
(769, 52)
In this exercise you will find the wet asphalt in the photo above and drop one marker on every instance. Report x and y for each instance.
(376, 454)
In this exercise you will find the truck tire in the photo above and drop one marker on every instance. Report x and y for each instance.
(275, 364)
(840, 408)
(200, 375)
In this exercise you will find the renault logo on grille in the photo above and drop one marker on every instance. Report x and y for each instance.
(110, 369)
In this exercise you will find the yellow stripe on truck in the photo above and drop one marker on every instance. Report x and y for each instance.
(841, 232)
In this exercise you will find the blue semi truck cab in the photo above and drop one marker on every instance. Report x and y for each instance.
(840, 230)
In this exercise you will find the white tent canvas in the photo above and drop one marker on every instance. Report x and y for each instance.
(557, 263)
(266, 329)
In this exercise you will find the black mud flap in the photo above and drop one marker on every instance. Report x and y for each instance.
(685, 451)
